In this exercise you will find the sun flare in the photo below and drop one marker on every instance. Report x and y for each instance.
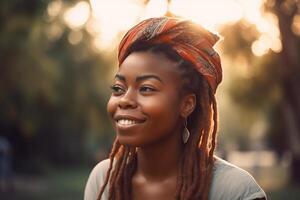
(106, 20)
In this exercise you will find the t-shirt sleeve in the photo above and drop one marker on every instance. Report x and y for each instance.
(233, 183)
(96, 180)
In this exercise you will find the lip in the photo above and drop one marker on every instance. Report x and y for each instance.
(130, 117)
(139, 121)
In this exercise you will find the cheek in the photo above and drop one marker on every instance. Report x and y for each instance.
(111, 106)
(162, 109)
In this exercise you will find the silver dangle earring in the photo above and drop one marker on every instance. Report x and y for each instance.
(186, 133)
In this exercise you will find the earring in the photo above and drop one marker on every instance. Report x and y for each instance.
(186, 133)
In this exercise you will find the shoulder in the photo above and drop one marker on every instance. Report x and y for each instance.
(232, 182)
(96, 180)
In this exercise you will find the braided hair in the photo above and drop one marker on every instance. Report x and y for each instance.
(194, 178)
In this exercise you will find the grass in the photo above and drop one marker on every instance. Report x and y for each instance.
(68, 184)
(290, 193)
(63, 184)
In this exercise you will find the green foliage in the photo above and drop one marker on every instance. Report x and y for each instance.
(61, 184)
(52, 94)
(253, 86)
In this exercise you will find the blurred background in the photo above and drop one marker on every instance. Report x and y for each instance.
(57, 61)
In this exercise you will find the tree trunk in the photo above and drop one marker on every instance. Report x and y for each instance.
(290, 81)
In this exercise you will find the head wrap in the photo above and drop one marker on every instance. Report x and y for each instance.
(191, 41)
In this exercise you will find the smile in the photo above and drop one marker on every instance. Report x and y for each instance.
(127, 122)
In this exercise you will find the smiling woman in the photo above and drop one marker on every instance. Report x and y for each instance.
(164, 112)
(144, 86)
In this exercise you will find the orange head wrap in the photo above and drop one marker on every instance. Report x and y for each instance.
(191, 41)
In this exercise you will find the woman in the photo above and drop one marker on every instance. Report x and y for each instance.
(164, 112)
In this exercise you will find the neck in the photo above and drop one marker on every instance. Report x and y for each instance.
(160, 160)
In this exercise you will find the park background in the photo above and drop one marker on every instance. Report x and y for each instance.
(57, 61)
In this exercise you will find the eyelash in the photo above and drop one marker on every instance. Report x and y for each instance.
(116, 89)
(146, 87)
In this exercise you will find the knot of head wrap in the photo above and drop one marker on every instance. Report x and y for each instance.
(191, 41)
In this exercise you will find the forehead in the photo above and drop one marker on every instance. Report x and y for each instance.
(138, 63)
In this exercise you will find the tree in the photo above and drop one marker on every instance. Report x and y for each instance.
(52, 93)
(286, 12)
(273, 82)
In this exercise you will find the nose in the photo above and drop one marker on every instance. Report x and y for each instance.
(128, 100)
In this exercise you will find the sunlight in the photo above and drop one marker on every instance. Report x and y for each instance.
(268, 28)
(296, 25)
(251, 10)
(266, 24)
(204, 12)
(54, 8)
(78, 15)
(155, 8)
(111, 18)
(259, 48)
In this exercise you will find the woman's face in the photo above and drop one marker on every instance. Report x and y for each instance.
(145, 105)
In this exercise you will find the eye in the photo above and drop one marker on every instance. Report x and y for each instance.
(147, 89)
(117, 89)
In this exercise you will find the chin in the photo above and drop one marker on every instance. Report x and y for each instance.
(128, 141)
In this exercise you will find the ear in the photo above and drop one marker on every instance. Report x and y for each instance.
(188, 105)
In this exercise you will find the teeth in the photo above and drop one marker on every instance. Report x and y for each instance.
(126, 122)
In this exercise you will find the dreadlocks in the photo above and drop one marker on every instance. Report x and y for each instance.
(194, 178)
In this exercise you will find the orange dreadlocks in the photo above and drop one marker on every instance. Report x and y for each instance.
(191, 46)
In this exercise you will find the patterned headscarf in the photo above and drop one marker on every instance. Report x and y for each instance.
(191, 41)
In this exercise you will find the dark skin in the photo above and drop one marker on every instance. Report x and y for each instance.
(146, 89)
(147, 97)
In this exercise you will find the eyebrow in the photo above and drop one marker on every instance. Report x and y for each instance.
(120, 77)
(139, 78)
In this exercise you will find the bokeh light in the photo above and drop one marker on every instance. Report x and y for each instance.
(204, 12)
(109, 19)
(75, 17)
(54, 8)
(59, 59)
(155, 8)
(296, 25)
